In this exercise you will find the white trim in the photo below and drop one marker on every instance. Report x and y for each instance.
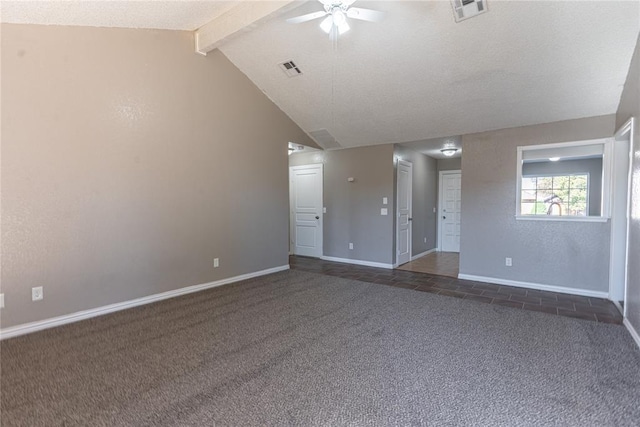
(564, 144)
(27, 328)
(536, 286)
(439, 208)
(632, 331)
(606, 177)
(561, 218)
(415, 257)
(627, 127)
(358, 262)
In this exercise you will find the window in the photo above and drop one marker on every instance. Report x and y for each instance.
(564, 181)
(555, 195)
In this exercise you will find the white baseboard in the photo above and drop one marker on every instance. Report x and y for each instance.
(28, 328)
(357, 262)
(536, 286)
(632, 331)
(415, 257)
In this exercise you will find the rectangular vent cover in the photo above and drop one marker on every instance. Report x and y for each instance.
(290, 69)
(324, 139)
(465, 9)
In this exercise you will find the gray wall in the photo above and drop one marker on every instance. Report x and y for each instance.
(560, 253)
(630, 107)
(128, 164)
(450, 164)
(353, 208)
(424, 192)
(591, 166)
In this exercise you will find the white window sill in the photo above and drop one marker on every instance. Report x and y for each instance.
(561, 218)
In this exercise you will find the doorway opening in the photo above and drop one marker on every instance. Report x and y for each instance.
(621, 154)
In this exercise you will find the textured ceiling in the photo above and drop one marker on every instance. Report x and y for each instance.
(418, 75)
(415, 76)
(170, 15)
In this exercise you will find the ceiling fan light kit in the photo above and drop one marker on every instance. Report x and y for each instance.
(336, 13)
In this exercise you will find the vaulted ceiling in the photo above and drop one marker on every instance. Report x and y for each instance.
(419, 75)
(416, 75)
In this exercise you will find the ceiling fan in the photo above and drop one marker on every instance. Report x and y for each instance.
(337, 12)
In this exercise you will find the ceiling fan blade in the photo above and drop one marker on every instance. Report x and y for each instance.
(307, 17)
(365, 14)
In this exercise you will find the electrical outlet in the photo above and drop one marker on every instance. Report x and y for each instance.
(37, 293)
(425, 240)
(216, 262)
(350, 245)
(1, 300)
(507, 262)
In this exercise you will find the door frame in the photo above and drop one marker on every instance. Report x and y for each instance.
(626, 129)
(410, 165)
(320, 214)
(440, 194)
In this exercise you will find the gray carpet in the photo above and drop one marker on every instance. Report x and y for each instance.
(297, 348)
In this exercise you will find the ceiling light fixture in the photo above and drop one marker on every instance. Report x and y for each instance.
(450, 151)
(337, 19)
(554, 159)
(336, 13)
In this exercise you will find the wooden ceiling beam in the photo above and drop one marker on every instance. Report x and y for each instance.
(242, 17)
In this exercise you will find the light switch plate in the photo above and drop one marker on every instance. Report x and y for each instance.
(1, 300)
(37, 293)
(324, 210)
(385, 201)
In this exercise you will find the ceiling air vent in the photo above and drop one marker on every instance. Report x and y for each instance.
(324, 139)
(290, 69)
(465, 9)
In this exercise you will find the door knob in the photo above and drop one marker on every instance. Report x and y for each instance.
(444, 217)
(317, 217)
(410, 219)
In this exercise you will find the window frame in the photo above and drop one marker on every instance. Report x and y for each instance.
(606, 181)
(551, 175)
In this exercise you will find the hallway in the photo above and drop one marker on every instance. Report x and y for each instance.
(437, 263)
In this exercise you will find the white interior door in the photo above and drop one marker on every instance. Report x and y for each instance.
(305, 192)
(405, 170)
(449, 220)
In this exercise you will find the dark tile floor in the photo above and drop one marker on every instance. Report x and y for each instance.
(596, 309)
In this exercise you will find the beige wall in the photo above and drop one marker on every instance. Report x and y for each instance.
(558, 253)
(630, 107)
(128, 164)
(353, 208)
(450, 164)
